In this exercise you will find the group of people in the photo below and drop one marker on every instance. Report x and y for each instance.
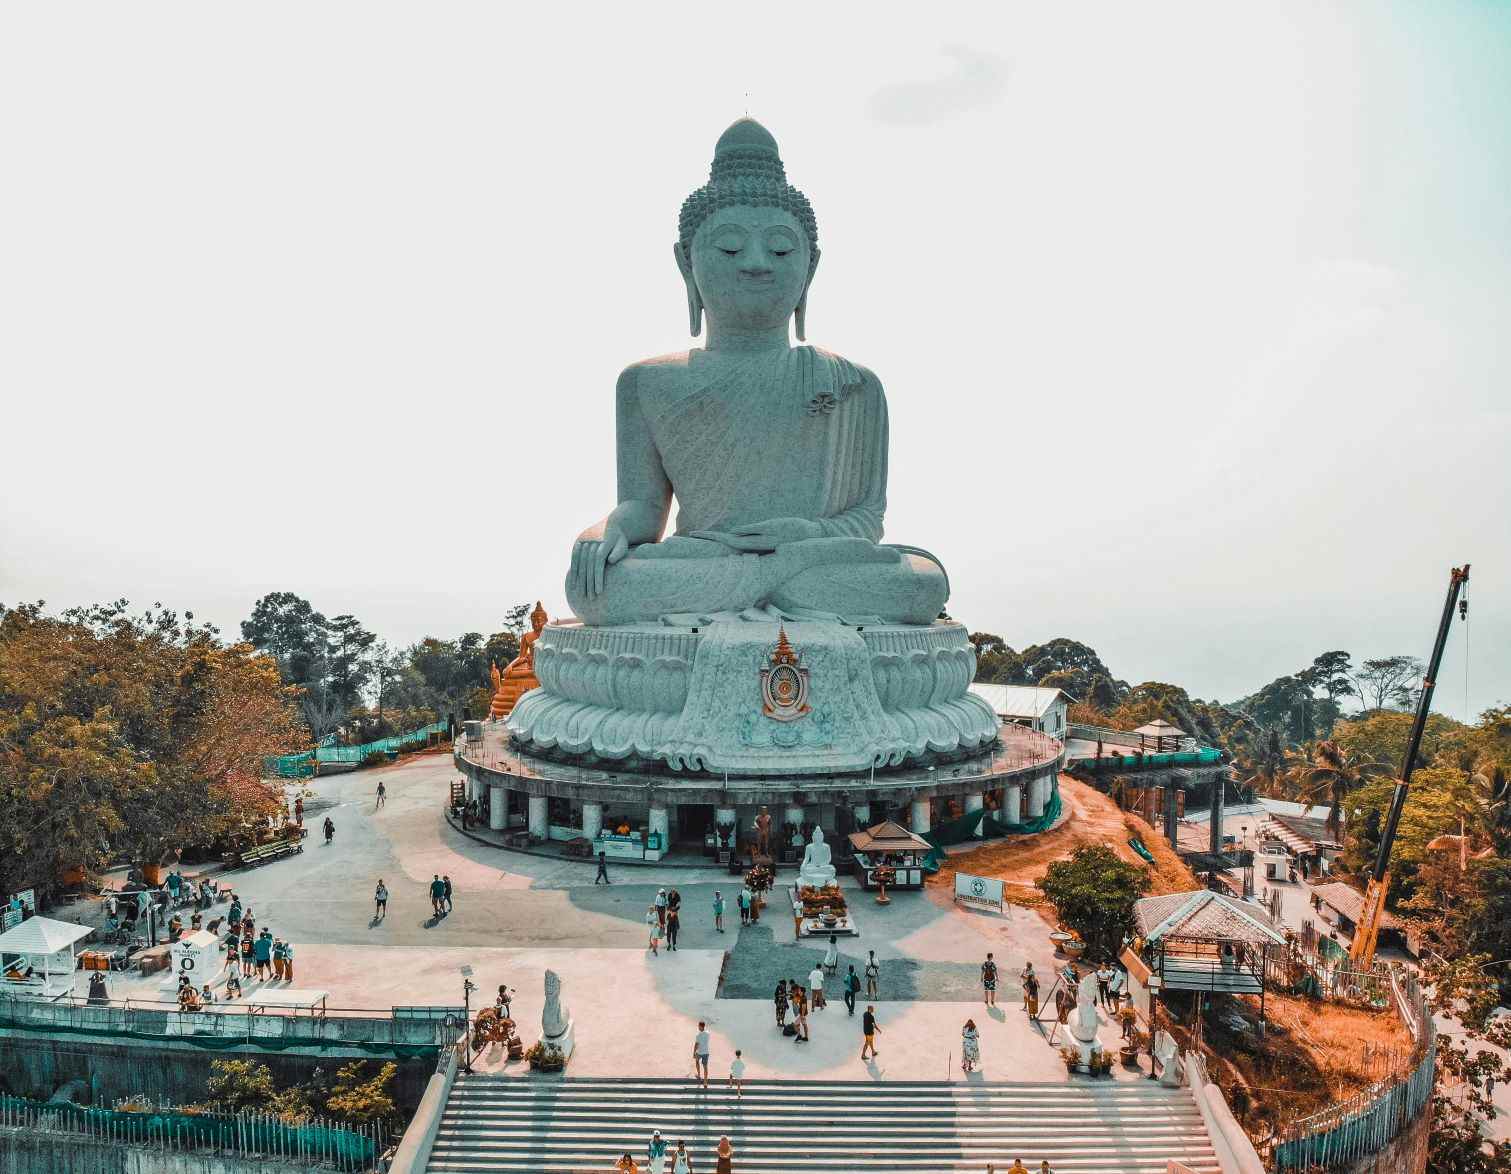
(658, 1154)
(440, 896)
(663, 919)
(1019, 1168)
(259, 955)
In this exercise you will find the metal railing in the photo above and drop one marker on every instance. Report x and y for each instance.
(1367, 1122)
(316, 1143)
(249, 1021)
(1017, 749)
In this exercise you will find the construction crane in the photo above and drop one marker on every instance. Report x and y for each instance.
(1362, 952)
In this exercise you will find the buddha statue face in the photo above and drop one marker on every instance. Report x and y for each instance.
(749, 268)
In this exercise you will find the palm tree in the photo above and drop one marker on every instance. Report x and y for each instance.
(1338, 772)
(1271, 761)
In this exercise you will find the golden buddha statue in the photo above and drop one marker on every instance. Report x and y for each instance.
(519, 677)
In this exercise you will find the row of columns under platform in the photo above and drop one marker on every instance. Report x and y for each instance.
(1016, 802)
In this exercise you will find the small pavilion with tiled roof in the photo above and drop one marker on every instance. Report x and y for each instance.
(1208, 942)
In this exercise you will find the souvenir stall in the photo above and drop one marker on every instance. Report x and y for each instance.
(892, 847)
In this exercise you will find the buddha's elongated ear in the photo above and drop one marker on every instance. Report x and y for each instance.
(694, 298)
(800, 317)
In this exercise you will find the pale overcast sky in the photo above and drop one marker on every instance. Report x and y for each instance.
(1193, 318)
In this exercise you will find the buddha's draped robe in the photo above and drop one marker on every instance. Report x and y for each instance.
(800, 434)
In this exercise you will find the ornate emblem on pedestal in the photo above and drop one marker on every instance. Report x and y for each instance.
(784, 686)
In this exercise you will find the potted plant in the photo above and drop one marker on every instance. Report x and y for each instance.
(545, 1057)
(1101, 1062)
(1072, 1058)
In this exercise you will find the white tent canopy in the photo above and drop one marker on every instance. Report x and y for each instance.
(38, 954)
(42, 935)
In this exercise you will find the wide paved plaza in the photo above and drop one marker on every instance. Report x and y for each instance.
(515, 916)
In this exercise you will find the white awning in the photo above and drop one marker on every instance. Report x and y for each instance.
(42, 935)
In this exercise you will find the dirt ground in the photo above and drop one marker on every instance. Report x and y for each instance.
(1313, 1055)
(1094, 819)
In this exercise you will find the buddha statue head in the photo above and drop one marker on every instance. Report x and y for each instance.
(747, 243)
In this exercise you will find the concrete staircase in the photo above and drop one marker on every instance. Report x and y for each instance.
(545, 1126)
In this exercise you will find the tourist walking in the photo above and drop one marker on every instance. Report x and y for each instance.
(626, 1165)
(873, 973)
(970, 1047)
(700, 1054)
(1115, 987)
(330, 830)
(1030, 982)
(382, 793)
(233, 986)
(437, 892)
(816, 986)
(655, 1153)
(653, 924)
(1064, 1003)
(737, 1074)
(380, 901)
(831, 955)
(661, 907)
(869, 1027)
(288, 961)
(718, 911)
(780, 1000)
(233, 917)
(674, 903)
(681, 1162)
(799, 1011)
(989, 981)
(277, 956)
(725, 1154)
(247, 961)
(743, 901)
(1017, 1167)
(1104, 985)
(602, 875)
(673, 926)
(446, 892)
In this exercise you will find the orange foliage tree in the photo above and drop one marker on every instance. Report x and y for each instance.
(128, 735)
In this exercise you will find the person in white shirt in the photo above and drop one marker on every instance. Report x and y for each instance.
(700, 1054)
(737, 1074)
(816, 987)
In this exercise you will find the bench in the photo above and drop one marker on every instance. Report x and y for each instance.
(263, 853)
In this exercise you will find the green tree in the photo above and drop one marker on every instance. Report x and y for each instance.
(1387, 682)
(1470, 1063)
(1337, 774)
(237, 1085)
(1381, 736)
(1093, 892)
(360, 1097)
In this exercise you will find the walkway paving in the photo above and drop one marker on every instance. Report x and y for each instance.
(516, 916)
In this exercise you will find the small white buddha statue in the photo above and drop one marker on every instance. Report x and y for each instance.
(817, 871)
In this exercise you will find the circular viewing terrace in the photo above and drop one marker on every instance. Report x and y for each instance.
(549, 799)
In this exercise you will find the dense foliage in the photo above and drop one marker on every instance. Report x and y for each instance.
(360, 1093)
(125, 736)
(1093, 893)
(354, 686)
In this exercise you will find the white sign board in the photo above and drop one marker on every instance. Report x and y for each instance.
(982, 892)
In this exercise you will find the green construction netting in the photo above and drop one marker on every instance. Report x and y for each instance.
(1175, 758)
(958, 831)
(302, 766)
(211, 1130)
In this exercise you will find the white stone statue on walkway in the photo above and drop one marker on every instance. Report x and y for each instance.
(817, 871)
(556, 1025)
(1084, 1026)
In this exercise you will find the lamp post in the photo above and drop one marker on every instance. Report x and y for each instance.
(468, 986)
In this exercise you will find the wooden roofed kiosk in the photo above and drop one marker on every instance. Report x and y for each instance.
(1160, 736)
(37, 957)
(1207, 942)
(890, 845)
